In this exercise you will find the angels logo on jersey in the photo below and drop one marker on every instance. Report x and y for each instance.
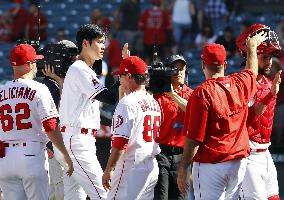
(118, 122)
(95, 82)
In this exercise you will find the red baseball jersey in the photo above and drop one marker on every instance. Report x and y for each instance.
(216, 116)
(260, 128)
(171, 132)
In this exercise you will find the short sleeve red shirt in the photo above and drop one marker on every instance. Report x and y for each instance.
(216, 117)
(170, 132)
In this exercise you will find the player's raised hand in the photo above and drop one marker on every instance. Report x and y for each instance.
(106, 179)
(69, 163)
(125, 51)
(276, 82)
(256, 40)
(182, 182)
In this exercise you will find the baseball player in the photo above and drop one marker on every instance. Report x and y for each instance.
(27, 111)
(261, 176)
(136, 123)
(80, 115)
(55, 85)
(172, 138)
(215, 122)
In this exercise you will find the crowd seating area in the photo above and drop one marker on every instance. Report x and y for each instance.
(70, 14)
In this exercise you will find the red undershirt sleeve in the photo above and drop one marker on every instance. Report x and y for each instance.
(120, 143)
(50, 124)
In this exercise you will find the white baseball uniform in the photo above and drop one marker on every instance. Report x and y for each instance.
(261, 175)
(24, 105)
(79, 113)
(56, 187)
(137, 118)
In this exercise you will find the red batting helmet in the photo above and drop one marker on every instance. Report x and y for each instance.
(271, 45)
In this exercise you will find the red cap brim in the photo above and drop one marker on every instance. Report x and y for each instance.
(38, 57)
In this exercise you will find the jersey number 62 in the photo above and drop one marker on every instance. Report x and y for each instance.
(22, 111)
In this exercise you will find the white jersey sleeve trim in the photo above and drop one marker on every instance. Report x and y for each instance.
(49, 117)
(120, 135)
(97, 92)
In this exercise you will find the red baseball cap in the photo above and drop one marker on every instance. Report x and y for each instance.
(132, 65)
(23, 54)
(214, 54)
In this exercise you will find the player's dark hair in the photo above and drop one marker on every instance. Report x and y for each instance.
(215, 69)
(88, 32)
(140, 79)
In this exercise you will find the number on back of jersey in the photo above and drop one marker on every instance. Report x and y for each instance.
(151, 127)
(22, 111)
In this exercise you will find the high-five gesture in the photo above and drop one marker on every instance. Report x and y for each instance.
(276, 82)
(125, 51)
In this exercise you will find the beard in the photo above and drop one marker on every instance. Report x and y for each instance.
(264, 71)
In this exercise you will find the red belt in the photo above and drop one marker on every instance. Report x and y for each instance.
(15, 144)
(258, 150)
(85, 131)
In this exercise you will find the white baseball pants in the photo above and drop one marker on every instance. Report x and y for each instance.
(218, 181)
(87, 175)
(134, 182)
(261, 177)
(56, 188)
(23, 172)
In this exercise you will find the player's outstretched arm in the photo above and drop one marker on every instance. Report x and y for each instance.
(252, 44)
(260, 107)
(56, 138)
(113, 158)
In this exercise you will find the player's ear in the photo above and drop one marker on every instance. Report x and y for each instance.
(129, 75)
(202, 65)
(28, 67)
(85, 43)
